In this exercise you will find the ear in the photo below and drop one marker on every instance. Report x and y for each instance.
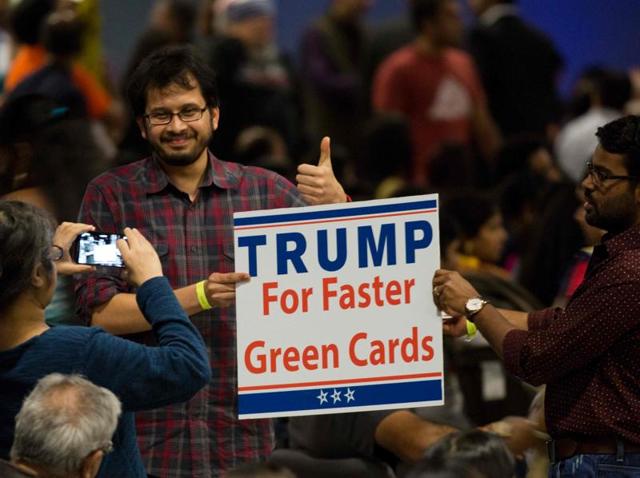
(40, 276)
(215, 117)
(91, 464)
(142, 125)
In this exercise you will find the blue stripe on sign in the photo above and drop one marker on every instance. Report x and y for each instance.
(336, 213)
(340, 397)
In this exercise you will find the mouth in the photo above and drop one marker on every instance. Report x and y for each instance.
(177, 142)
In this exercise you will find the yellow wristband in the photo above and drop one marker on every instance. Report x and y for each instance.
(471, 330)
(202, 296)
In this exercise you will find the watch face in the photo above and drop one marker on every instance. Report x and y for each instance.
(474, 304)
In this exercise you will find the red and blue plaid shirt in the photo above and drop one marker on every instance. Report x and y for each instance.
(202, 437)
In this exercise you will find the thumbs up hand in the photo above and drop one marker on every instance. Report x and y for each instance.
(318, 184)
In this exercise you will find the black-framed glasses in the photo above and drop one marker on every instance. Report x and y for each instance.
(599, 176)
(189, 114)
(56, 253)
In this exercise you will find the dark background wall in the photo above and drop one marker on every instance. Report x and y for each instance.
(585, 31)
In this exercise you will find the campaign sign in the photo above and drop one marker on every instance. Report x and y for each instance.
(338, 314)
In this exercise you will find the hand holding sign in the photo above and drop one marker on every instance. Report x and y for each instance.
(221, 287)
(318, 184)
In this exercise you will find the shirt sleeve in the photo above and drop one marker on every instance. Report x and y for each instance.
(100, 286)
(149, 377)
(565, 340)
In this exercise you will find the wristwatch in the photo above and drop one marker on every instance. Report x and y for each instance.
(473, 306)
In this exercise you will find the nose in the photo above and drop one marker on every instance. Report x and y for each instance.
(176, 124)
(587, 182)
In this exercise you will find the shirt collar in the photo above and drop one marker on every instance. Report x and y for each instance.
(218, 173)
(496, 12)
(624, 241)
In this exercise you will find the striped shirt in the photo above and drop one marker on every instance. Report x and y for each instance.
(202, 437)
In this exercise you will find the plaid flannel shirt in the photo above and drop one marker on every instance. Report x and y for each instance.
(202, 437)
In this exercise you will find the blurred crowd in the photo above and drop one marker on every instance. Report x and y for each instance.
(418, 104)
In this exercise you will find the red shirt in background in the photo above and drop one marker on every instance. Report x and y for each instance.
(437, 95)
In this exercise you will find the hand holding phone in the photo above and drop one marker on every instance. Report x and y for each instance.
(63, 238)
(140, 257)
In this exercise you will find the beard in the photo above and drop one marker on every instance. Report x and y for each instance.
(613, 215)
(185, 157)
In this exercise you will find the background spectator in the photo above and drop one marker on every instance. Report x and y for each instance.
(64, 427)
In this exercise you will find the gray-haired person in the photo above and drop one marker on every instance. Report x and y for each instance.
(64, 427)
(142, 377)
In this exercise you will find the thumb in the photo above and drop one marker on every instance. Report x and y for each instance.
(325, 152)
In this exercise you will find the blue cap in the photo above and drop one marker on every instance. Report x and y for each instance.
(239, 10)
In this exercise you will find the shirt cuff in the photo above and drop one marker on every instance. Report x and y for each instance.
(540, 319)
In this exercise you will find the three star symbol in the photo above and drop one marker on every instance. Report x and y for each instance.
(336, 396)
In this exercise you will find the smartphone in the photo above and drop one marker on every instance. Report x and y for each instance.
(98, 249)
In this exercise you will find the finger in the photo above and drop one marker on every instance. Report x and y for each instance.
(325, 152)
(306, 180)
(309, 190)
(306, 169)
(133, 237)
(67, 268)
(228, 277)
(224, 296)
(217, 288)
(124, 248)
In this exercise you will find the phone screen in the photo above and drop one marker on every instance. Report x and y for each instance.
(96, 248)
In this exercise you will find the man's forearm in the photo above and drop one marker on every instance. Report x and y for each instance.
(121, 314)
(494, 325)
(520, 320)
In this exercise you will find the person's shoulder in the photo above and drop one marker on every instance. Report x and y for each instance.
(458, 56)
(403, 57)
(237, 172)
(67, 339)
(128, 173)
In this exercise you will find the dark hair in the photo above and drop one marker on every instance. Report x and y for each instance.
(515, 155)
(450, 168)
(183, 12)
(615, 89)
(424, 10)
(622, 136)
(387, 147)
(441, 469)
(481, 451)
(26, 19)
(25, 239)
(470, 210)
(63, 33)
(171, 65)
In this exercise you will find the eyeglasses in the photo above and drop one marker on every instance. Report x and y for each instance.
(598, 176)
(56, 253)
(187, 115)
(107, 447)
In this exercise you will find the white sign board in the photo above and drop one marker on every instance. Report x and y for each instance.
(338, 314)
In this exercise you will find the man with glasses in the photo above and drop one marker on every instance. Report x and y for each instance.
(587, 353)
(183, 199)
(64, 427)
